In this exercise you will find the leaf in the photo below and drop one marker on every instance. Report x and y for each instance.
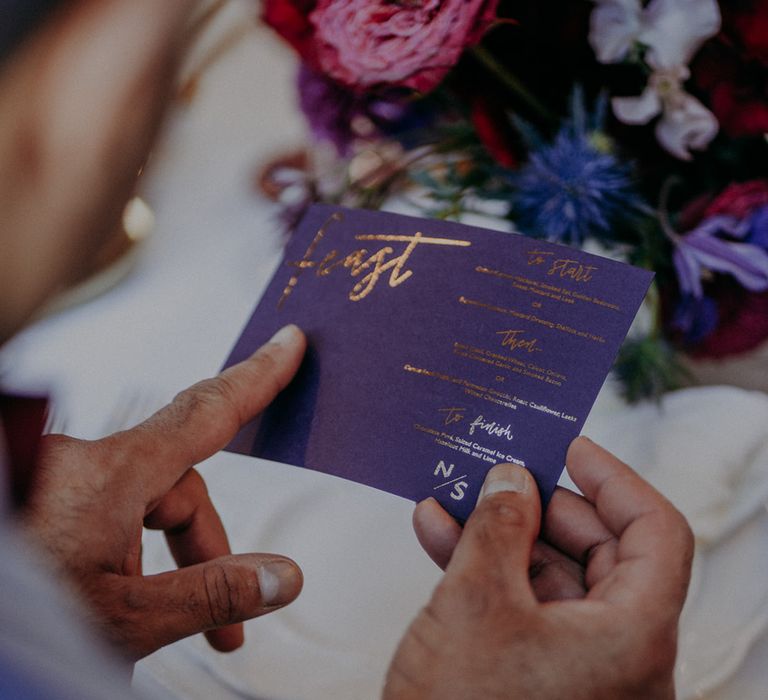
(647, 368)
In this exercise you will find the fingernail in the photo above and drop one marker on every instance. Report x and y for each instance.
(505, 477)
(286, 335)
(279, 582)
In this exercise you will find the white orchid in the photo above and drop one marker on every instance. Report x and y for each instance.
(685, 123)
(672, 31)
(615, 25)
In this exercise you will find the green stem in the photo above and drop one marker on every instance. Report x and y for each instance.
(663, 211)
(654, 301)
(512, 83)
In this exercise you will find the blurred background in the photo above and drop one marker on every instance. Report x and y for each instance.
(165, 308)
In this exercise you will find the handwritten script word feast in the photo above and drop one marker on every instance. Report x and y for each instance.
(365, 265)
(561, 267)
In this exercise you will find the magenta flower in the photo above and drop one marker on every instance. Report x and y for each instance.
(362, 43)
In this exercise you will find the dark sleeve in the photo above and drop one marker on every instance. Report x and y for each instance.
(18, 18)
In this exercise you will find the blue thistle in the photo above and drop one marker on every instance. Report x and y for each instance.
(574, 187)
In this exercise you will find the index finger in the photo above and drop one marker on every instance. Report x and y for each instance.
(655, 544)
(204, 418)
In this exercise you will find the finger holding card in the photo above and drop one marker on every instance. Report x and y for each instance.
(465, 346)
(488, 631)
(574, 540)
(145, 477)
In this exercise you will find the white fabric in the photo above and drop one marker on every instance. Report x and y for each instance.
(366, 576)
(173, 322)
(706, 449)
(42, 635)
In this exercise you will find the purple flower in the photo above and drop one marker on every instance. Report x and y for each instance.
(704, 249)
(758, 229)
(333, 111)
(696, 318)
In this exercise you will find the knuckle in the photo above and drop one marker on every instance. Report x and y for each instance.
(222, 595)
(474, 598)
(476, 594)
(501, 513)
(212, 391)
(219, 594)
(217, 394)
(599, 552)
(121, 612)
(193, 486)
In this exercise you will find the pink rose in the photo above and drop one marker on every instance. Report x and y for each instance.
(362, 43)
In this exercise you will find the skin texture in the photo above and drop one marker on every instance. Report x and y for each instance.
(93, 498)
(588, 607)
(585, 608)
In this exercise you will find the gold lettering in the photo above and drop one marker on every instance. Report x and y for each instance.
(306, 261)
(365, 286)
(514, 341)
(538, 257)
(452, 415)
(373, 263)
(573, 269)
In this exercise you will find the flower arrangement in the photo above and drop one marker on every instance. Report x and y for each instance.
(636, 128)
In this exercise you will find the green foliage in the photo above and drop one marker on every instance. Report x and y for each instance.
(647, 368)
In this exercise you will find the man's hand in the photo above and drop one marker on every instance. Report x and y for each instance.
(590, 610)
(93, 498)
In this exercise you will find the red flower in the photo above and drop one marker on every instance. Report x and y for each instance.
(733, 69)
(746, 23)
(742, 315)
(740, 199)
(742, 324)
(494, 130)
(290, 19)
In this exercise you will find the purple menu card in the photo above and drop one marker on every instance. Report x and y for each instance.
(436, 350)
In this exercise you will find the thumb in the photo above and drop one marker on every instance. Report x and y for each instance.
(495, 548)
(211, 595)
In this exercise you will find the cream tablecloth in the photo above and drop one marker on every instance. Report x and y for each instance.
(175, 318)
